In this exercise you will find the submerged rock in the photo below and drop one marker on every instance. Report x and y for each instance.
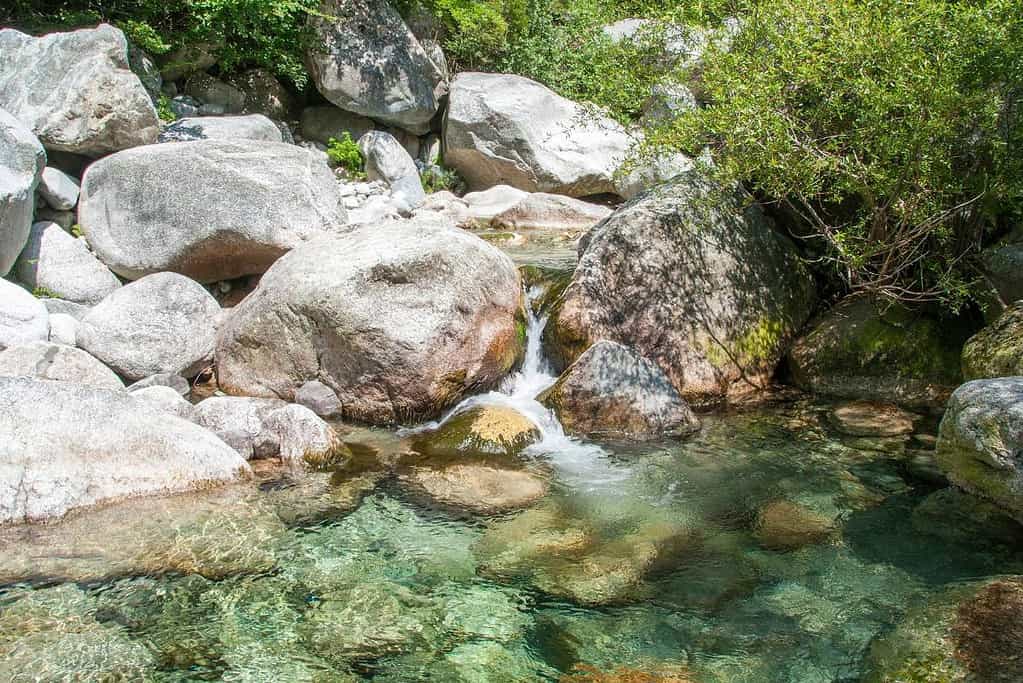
(162, 323)
(149, 210)
(866, 418)
(861, 349)
(365, 60)
(400, 322)
(965, 519)
(76, 91)
(22, 160)
(506, 129)
(693, 279)
(997, 350)
(981, 438)
(478, 487)
(612, 391)
(57, 362)
(784, 525)
(487, 429)
(65, 446)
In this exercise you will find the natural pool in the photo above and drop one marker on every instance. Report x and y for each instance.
(766, 548)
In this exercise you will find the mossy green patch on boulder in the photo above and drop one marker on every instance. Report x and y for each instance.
(491, 430)
(997, 350)
(863, 348)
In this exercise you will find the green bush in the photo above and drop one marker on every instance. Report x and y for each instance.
(439, 179)
(163, 109)
(345, 153)
(246, 33)
(888, 129)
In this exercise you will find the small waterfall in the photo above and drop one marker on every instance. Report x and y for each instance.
(579, 463)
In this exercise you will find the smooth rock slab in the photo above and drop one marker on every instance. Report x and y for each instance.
(66, 446)
(63, 266)
(542, 211)
(399, 320)
(866, 418)
(23, 318)
(210, 209)
(251, 127)
(505, 129)
(58, 362)
(168, 400)
(22, 159)
(980, 441)
(612, 391)
(161, 323)
(76, 90)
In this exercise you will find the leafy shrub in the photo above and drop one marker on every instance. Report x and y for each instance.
(345, 153)
(163, 109)
(885, 128)
(439, 179)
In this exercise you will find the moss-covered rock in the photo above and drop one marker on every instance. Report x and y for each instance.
(693, 277)
(490, 429)
(980, 441)
(997, 350)
(970, 633)
(865, 350)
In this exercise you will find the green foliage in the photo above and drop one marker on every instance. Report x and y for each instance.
(345, 153)
(887, 127)
(163, 109)
(438, 179)
(77, 230)
(43, 293)
(245, 33)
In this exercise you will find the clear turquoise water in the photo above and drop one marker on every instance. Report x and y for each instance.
(656, 559)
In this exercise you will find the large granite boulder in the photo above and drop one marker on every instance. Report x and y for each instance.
(251, 127)
(997, 350)
(504, 129)
(57, 362)
(264, 94)
(388, 161)
(864, 348)
(692, 277)
(76, 90)
(161, 323)
(210, 209)
(610, 391)
(399, 320)
(23, 318)
(63, 266)
(22, 160)
(365, 60)
(65, 446)
(980, 442)
(325, 122)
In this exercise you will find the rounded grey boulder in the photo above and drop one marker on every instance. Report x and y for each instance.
(65, 446)
(57, 362)
(22, 159)
(23, 318)
(76, 91)
(251, 127)
(63, 266)
(161, 323)
(399, 320)
(209, 209)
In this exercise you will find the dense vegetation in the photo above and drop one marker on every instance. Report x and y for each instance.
(886, 131)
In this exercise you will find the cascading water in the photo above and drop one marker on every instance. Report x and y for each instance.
(581, 464)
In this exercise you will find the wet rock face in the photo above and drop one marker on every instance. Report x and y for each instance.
(365, 60)
(691, 278)
(399, 321)
(997, 350)
(491, 429)
(863, 349)
(94, 103)
(612, 391)
(151, 209)
(980, 441)
(505, 129)
(65, 446)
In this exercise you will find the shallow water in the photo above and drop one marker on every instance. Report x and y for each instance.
(766, 548)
